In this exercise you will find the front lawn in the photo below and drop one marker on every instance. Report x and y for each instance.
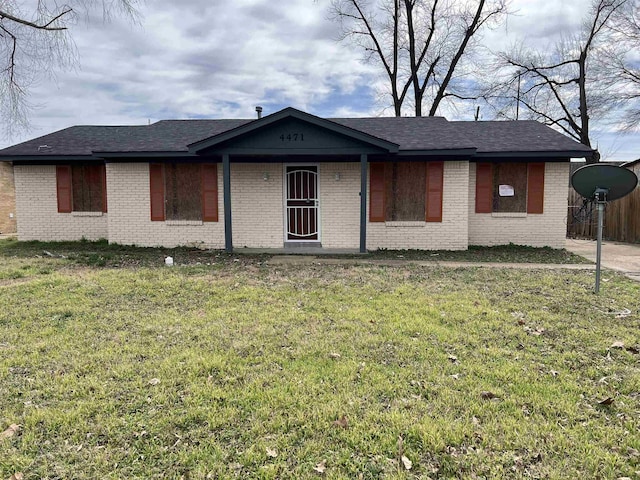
(234, 368)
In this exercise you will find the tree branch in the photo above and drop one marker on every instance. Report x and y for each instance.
(45, 26)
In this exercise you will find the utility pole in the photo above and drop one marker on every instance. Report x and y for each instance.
(518, 102)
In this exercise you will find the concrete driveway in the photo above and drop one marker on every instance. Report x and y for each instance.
(623, 257)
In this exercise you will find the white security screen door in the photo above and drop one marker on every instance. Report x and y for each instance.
(302, 203)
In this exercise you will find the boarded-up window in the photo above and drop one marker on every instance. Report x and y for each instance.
(183, 191)
(88, 188)
(405, 184)
(510, 187)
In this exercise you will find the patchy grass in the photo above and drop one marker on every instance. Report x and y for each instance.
(103, 254)
(501, 253)
(239, 369)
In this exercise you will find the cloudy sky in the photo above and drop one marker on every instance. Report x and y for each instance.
(221, 58)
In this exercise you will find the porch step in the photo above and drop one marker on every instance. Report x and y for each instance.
(302, 245)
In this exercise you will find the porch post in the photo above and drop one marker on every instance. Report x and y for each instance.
(226, 176)
(363, 203)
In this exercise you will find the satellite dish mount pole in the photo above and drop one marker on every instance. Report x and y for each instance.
(600, 196)
(601, 184)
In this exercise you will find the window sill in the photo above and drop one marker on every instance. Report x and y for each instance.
(180, 223)
(405, 224)
(509, 214)
(87, 214)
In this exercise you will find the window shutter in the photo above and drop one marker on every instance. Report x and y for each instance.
(535, 188)
(484, 188)
(435, 180)
(103, 174)
(376, 192)
(63, 186)
(156, 183)
(210, 192)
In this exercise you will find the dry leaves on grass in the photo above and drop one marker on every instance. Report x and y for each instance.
(488, 395)
(342, 422)
(10, 431)
(534, 331)
(272, 452)
(620, 345)
(154, 381)
(320, 467)
(17, 476)
(606, 402)
(406, 462)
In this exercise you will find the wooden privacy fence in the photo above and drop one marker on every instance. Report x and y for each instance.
(621, 218)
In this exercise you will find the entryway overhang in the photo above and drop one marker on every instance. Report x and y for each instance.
(290, 134)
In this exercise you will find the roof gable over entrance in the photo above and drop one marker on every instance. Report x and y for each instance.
(291, 131)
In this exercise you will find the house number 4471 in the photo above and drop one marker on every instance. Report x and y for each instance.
(292, 137)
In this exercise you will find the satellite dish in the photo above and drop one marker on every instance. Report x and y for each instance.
(616, 181)
(602, 183)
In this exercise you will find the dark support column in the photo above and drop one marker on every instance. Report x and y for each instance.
(226, 176)
(363, 203)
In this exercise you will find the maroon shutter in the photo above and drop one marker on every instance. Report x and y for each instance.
(376, 192)
(103, 175)
(435, 180)
(535, 188)
(156, 183)
(63, 186)
(210, 192)
(484, 188)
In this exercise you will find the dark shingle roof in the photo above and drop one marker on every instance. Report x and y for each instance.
(516, 136)
(410, 133)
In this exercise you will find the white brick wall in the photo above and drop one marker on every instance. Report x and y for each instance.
(129, 202)
(37, 208)
(539, 230)
(340, 205)
(450, 234)
(258, 215)
(257, 211)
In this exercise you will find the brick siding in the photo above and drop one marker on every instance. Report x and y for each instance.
(258, 212)
(129, 201)
(536, 230)
(450, 234)
(37, 206)
(7, 199)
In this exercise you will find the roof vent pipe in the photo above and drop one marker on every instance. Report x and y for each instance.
(259, 111)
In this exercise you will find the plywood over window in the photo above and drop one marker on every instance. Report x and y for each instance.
(184, 192)
(81, 188)
(406, 192)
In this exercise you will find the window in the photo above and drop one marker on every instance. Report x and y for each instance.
(81, 188)
(406, 191)
(183, 195)
(184, 191)
(510, 187)
(405, 184)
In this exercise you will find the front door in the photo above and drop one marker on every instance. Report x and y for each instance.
(302, 203)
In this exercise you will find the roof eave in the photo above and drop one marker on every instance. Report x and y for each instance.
(452, 152)
(165, 154)
(536, 154)
(44, 158)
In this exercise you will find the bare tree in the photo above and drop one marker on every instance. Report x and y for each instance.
(35, 43)
(619, 67)
(561, 86)
(420, 44)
